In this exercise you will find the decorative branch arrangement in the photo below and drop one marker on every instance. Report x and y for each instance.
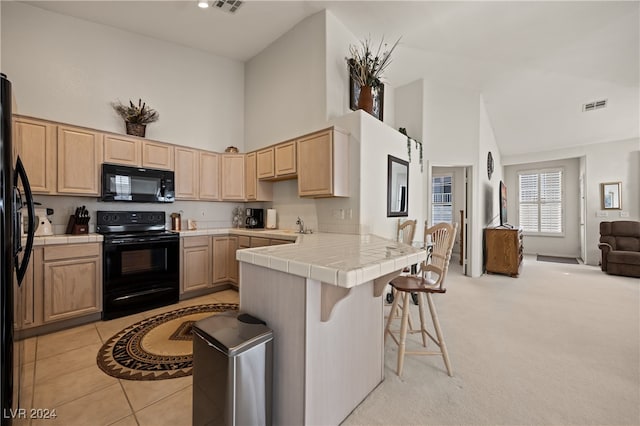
(365, 65)
(137, 114)
(418, 145)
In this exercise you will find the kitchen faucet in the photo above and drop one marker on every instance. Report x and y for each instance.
(300, 224)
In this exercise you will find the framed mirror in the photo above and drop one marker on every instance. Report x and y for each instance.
(611, 194)
(397, 187)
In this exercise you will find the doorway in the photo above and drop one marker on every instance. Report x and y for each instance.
(448, 202)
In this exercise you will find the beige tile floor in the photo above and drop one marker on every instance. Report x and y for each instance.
(62, 374)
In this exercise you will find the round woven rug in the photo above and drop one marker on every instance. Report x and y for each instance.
(160, 347)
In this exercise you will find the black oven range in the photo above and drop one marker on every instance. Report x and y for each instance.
(141, 262)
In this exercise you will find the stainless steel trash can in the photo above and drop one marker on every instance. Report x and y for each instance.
(232, 370)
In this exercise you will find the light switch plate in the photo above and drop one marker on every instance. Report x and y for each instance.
(624, 214)
(602, 214)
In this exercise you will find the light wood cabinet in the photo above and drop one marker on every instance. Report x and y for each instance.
(79, 160)
(503, 251)
(196, 262)
(265, 163)
(232, 177)
(285, 160)
(220, 259)
(187, 173)
(122, 150)
(72, 284)
(24, 295)
(323, 164)
(233, 263)
(156, 155)
(36, 144)
(255, 190)
(225, 265)
(209, 176)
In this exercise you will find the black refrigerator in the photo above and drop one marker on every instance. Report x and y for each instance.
(15, 194)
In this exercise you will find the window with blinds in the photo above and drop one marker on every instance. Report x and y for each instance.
(441, 199)
(540, 201)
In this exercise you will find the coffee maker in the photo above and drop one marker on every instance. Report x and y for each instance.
(255, 218)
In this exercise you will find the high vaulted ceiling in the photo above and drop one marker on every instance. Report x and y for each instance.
(535, 63)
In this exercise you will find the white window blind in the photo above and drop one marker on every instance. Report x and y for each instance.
(540, 201)
(441, 199)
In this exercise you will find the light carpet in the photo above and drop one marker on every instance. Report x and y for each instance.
(558, 345)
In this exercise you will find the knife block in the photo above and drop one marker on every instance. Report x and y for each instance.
(74, 228)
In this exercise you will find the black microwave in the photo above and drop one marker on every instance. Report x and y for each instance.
(135, 184)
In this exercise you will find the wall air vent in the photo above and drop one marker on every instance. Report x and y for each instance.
(230, 6)
(594, 105)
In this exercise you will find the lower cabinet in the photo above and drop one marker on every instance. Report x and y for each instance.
(207, 262)
(196, 261)
(72, 281)
(62, 282)
(225, 265)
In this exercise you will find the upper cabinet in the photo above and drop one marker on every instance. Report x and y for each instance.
(157, 155)
(36, 144)
(79, 159)
(187, 173)
(323, 164)
(122, 150)
(277, 162)
(265, 163)
(232, 177)
(209, 176)
(285, 160)
(255, 190)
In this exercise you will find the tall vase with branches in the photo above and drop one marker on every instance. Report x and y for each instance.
(366, 67)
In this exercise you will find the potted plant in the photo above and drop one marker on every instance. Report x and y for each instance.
(366, 68)
(136, 117)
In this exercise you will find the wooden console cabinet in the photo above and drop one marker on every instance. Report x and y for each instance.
(503, 251)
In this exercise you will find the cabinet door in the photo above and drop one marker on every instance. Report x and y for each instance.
(232, 176)
(251, 180)
(209, 176)
(72, 288)
(187, 176)
(233, 263)
(156, 155)
(122, 150)
(265, 163)
(24, 297)
(315, 162)
(220, 259)
(79, 160)
(195, 269)
(285, 154)
(35, 143)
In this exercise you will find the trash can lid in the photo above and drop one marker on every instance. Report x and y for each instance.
(233, 333)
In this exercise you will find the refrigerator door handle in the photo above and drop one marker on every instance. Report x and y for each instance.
(21, 173)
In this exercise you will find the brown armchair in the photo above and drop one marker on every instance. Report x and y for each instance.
(620, 246)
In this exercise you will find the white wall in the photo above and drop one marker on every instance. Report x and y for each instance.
(69, 70)
(338, 39)
(606, 162)
(377, 142)
(285, 86)
(569, 244)
(408, 107)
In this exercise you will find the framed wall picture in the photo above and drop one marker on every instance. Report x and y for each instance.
(611, 193)
(378, 98)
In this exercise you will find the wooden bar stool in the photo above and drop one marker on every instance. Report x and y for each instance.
(442, 237)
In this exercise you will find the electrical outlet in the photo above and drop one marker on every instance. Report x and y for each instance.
(202, 213)
(602, 214)
(341, 213)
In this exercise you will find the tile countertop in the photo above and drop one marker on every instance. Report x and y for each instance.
(340, 259)
(64, 239)
(285, 234)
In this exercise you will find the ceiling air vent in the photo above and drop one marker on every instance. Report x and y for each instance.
(594, 105)
(230, 6)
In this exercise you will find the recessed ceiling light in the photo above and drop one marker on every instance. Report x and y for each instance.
(203, 4)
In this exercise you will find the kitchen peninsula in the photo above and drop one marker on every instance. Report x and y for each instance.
(322, 298)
